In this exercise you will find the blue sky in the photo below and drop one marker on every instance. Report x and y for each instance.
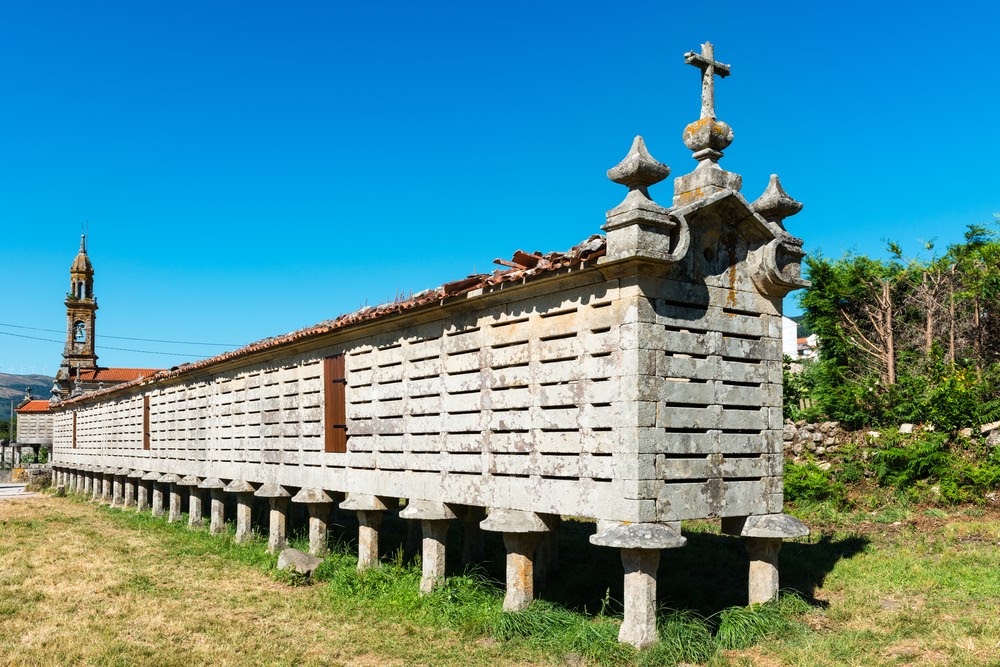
(247, 169)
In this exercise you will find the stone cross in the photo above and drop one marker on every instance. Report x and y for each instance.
(705, 61)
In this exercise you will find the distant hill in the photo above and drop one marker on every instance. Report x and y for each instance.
(12, 389)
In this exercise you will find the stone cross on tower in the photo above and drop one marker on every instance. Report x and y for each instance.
(710, 68)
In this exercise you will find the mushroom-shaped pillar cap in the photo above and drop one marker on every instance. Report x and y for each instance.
(151, 477)
(170, 478)
(240, 486)
(638, 169)
(362, 502)
(637, 536)
(137, 474)
(272, 491)
(189, 480)
(312, 496)
(212, 483)
(122, 472)
(778, 526)
(427, 510)
(775, 205)
(514, 521)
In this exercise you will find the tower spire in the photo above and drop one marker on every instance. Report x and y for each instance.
(81, 314)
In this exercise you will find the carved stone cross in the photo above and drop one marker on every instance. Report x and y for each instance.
(705, 61)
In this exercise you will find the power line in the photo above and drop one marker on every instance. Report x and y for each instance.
(144, 340)
(108, 347)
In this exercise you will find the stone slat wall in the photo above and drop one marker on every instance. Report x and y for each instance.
(632, 399)
(34, 429)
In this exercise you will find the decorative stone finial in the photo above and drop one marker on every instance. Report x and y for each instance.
(707, 137)
(83, 243)
(775, 205)
(638, 170)
(639, 226)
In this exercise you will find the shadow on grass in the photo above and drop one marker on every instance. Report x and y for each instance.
(706, 576)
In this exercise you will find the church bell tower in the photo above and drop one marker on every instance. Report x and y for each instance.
(81, 310)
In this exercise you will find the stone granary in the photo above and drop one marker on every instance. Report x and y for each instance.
(634, 380)
(34, 427)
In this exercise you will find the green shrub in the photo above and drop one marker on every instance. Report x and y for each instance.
(924, 458)
(809, 483)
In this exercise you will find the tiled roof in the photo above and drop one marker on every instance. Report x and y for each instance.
(115, 374)
(521, 268)
(33, 406)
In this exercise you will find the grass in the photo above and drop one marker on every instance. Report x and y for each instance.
(86, 585)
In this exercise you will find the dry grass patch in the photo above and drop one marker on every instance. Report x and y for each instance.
(79, 586)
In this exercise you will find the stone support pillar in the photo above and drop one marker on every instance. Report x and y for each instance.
(369, 510)
(217, 510)
(434, 518)
(277, 497)
(520, 536)
(118, 490)
(88, 481)
(640, 545)
(157, 496)
(107, 479)
(520, 549)
(191, 483)
(144, 494)
(763, 534)
(244, 508)
(98, 486)
(319, 503)
(171, 481)
(131, 482)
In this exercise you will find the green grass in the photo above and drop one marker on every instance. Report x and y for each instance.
(878, 582)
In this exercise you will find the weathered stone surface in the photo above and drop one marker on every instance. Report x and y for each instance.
(639, 623)
(906, 429)
(520, 570)
(295, 560)
(763, 577)
(277, 521)
(312, 496)
(360, 502)
(319, 514)
(240, 486)
(195, 508)
(432, 560)
(272, 491)
(779, 526)
(218, 511)
(512, 521)
(368, 525)
(637, 536)
(425, 510)
(775, 205)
